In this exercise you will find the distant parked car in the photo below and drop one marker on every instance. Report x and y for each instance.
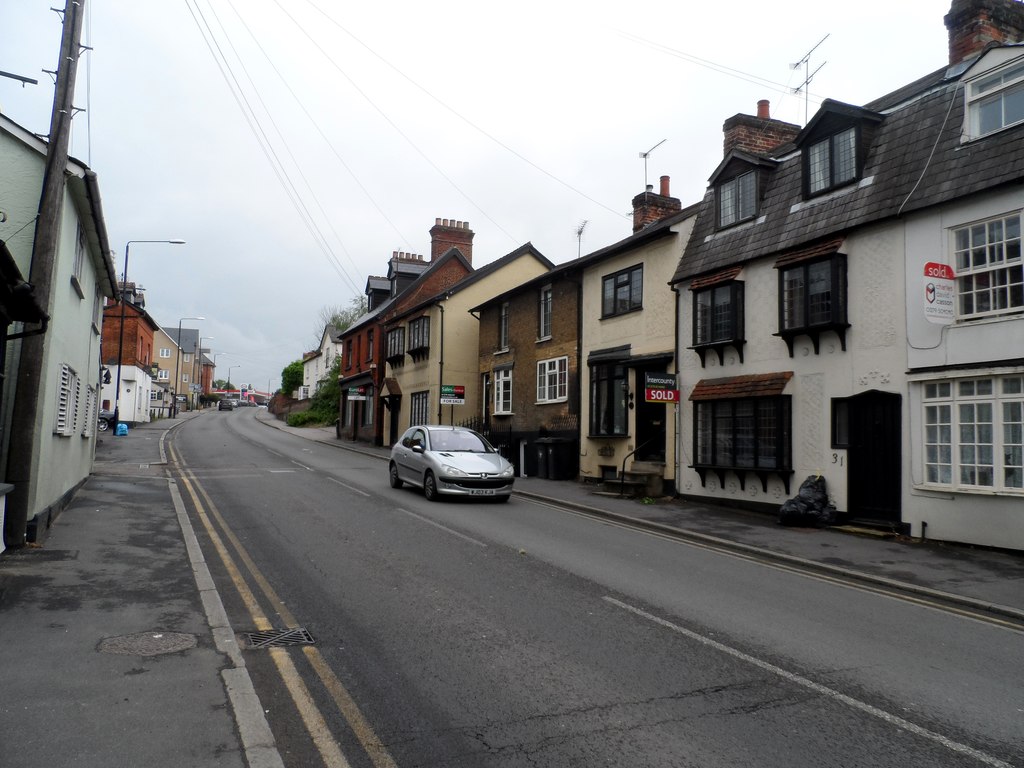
(226, 405)
(106, 420)
(450, 460)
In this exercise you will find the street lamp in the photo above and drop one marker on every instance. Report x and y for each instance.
(229, 373)
(196, 362)
(177, 364)
(120, 333)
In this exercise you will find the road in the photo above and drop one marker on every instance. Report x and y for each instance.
(468, 634)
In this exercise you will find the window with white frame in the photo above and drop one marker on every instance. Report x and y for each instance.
(162, 375)
(544, 321)
(503, 328)
(92, 411)
(503, 391)
(97, 308)
(974, 433)
(186, 358)
(184, 378)
(80, 251)
(553, 380)
(69, 396)
(831, 162)
(165, 352)
(996, 100)
(737, 199)
(989, 270)
(420, 408)
(396, 344)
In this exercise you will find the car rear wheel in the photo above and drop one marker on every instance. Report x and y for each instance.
(393, 478)
(430, 487)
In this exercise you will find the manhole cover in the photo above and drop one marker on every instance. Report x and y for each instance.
(279, 638)
(148, 643)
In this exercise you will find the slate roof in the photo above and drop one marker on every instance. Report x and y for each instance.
(916, 160)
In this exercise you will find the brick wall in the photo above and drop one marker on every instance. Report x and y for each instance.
(756, 135)
(973, 24)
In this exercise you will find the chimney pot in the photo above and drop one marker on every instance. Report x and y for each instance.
(763, 111)
(437, 222)
(650, 187)
(664, 186)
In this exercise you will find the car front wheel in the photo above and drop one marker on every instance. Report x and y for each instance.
(430, 487)
(393, 478)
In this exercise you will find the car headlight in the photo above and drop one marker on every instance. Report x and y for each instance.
(453, 471)
(507, 471)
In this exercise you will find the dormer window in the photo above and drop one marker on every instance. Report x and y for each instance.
(832, 162)
(737, 199)
(996, 101)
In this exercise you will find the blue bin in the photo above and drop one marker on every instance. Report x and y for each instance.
(121, 430)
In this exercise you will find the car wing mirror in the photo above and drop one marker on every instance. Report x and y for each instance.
(417, 447)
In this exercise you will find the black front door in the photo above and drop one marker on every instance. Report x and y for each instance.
(874, 466)
(651, 424)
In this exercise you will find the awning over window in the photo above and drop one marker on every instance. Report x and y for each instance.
(609, 355)
(824, 248)
(738, 387)
(725, 276)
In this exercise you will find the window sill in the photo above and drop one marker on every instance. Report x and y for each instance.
(785, 475)
(789, 335)
(551, 402)
(623, 435)
(504, 413)
(719, 348)
(78, 287)
(542, 339)
(503, 351)
(952, 491)
(622, 314)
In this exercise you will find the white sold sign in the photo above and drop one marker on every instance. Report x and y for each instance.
(939, 293)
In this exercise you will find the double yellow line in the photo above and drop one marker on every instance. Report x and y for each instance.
(316, 725)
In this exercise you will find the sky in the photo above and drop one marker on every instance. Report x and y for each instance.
(295, 144)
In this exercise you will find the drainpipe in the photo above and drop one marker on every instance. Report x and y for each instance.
(440, 364)
(676, 451)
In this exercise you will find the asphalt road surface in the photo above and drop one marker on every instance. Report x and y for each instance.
(477, 634)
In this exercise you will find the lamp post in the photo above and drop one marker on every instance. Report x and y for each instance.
(120, 333)
(177, 365)
(197, 362)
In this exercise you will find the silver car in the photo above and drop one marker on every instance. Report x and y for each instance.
(450, 460)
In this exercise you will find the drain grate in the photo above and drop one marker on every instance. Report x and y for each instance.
(279, 638)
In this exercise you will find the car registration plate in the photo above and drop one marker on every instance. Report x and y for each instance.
(482, 492)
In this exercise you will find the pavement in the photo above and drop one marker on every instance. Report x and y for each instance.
(115, 649)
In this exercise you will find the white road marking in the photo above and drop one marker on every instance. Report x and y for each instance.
(349, 487)
(444, 528)
(881, 714)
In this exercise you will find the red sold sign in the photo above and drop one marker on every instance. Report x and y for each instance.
(661, 395)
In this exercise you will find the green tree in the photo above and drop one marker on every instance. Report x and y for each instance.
(339, 316)
(291, 377)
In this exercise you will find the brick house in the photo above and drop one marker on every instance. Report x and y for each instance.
(529, 371)
(435, 342)
(628, 347)
(137, 356)
(851, 303)
(366, 395)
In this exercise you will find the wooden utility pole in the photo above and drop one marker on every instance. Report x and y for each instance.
(23, 455)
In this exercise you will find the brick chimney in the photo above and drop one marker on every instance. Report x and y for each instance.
(649, 207)
(448, 233)
(973, 24)
(759, 134)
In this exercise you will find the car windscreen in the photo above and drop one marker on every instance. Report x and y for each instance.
(457, 441)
